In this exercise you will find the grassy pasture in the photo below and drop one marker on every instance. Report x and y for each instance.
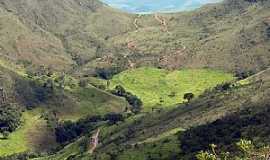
(159, 87)
(33, 135)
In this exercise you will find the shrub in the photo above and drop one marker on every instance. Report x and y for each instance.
(133, 100)
(188, 96)
(107, 73)
(10, 118)
(243, 74)
(113, 118)
(67, 131)
(223, 87)
(246, 148)
(119, 91)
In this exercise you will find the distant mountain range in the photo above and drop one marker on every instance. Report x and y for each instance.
(149, 6)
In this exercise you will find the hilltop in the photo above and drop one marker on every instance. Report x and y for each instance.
(81, 36)
(232, 36)
(58, 34)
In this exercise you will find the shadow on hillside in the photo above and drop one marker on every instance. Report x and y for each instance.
(252, 123)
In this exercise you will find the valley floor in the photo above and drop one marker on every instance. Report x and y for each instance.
(164, 89)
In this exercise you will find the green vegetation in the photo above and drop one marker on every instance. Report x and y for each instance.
(68, 151)
(52, 54)
(164, 149)
(246, 148)
(158, 87)
(10, 118)
(188, 96)
(207, 114)
(22, 139)
(163, 135)
(250, 123)
(90, 101)
(157, 135)
(67, 131)
(133, 100)
(51, 98)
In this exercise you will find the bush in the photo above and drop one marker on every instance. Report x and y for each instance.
(252, 123)
(244, 74)
(246, 148)
(223, 87)
(51, 119)
(133, 100)
(68, 130)
(107, 73)
(113, 118)
(10, 118)
(188, 96)
(119, 91)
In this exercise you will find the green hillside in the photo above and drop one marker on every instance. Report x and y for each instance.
(43, 108)
(162, 88)
(60, 61)
(33, 135)
(156, 135)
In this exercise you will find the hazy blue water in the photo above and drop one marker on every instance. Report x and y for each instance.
(141, 6)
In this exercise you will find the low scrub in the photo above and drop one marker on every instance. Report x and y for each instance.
(10, 119)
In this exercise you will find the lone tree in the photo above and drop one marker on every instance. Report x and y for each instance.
(120, 91)
(135, 102)
(188, 96)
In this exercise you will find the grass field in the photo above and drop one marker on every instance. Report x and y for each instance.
(157, 150)
(158, 87)
(17, 142)
(89, 101)
(31, 136)
(162, 136)
(67, 151)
